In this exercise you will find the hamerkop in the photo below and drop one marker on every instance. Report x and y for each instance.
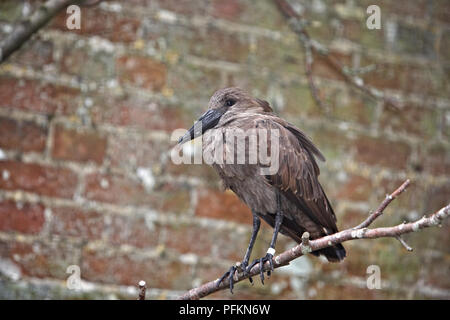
(291, 200)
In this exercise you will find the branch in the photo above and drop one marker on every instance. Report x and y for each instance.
(142, 288)
(383, 205)
(27, 27)
(297, 23)
(359, 232)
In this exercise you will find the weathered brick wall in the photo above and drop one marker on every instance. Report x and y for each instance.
(85, 121)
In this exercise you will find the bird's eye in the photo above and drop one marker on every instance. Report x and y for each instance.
(230, 102)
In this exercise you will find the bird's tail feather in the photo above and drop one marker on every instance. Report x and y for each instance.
(289, 228)
(335, 253)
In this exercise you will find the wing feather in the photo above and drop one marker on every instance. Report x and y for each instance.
(297, 177)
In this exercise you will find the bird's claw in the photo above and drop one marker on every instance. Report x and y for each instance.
(230, 274)
(262, 261)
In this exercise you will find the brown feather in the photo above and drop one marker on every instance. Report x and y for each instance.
(303, 201)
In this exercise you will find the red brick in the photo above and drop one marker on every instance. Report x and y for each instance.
(201, 171)
(385, 75)
(417, 10)
(42, 259)
(216, 44)
(436, 197)
(132, 231)
(35, 53)
(22, 135)
(142, 72)
(146, 115)
(30, 95)
(337, 292)
(206, 242)
(280, 56)
(428, 79)
(381, 152)
(75, 222)
(346, 105)
(93, 225)
(332, 143)
(108, 25)
(227, 9)
(441, 11)
(417, 120)
(123, 190)
(185, 78)
(78, 146)
(357, 188)
(134, 152)
(184, 7)
(85, 65)
(73, 61)
(406, 77)
(411, 199)
(23, 218)
(116, 189)
(189, 239)
(222, 205)
(322, 68)
(436, 160)
(44, 180)
(352, 30)
(351, 218)
(129, 269)
(172, 197)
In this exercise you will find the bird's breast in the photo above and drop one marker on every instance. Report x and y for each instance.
(251, 187)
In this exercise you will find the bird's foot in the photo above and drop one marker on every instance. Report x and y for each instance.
(239, 267)
(262, 261)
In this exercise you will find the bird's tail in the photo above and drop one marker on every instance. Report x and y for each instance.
(291, 229)
(335, 253)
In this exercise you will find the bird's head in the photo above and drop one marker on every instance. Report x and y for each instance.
(224, 101)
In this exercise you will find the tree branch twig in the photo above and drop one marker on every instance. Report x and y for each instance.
(24, 29)
(311, 46)
(142, 289)
(307, 245)
(389, 198)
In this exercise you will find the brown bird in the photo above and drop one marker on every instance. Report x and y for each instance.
(291, 200)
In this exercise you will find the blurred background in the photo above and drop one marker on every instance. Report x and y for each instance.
(85, 122)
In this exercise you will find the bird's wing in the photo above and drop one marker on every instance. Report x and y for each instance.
(297, 176)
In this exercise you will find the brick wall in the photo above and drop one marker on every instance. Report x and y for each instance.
(85, 121)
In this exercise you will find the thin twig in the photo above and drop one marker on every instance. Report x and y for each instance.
(313, 245)
(404, 244)
(306, 248)
(24, 29)
(389, 198)
(297, 23)
(142, 289)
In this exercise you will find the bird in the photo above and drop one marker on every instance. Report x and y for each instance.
(291, 200)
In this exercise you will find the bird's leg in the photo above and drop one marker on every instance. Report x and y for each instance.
(230, 273)
(256, 224)
(271, 250)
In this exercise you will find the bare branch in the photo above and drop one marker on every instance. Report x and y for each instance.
(27, 27)
(389, 198)
(142, 289)
(359, 232)
(404, 244)
(297, 24)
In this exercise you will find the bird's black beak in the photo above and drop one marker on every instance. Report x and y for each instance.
(207, 121)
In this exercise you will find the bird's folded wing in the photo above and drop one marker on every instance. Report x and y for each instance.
(297, 176)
